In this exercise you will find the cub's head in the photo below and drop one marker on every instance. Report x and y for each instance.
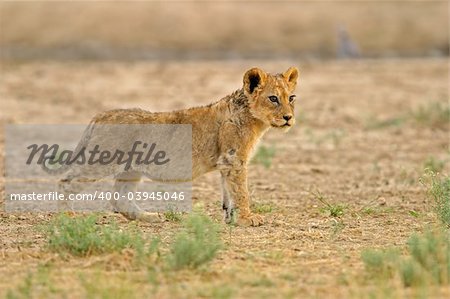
(271, 97)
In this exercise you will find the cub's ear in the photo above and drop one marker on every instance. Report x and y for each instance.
(291, 75)
(254, 78)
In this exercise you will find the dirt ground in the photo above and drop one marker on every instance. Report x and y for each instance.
(357, 141)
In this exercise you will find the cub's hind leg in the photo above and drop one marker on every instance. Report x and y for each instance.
(70, 186)
(125, 183)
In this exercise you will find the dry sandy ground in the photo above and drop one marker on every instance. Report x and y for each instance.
(339, 147)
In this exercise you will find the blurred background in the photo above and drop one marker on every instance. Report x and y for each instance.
(225, 30)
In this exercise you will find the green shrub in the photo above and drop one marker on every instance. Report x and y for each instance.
(430, 258)
(411, 273)
(427, 260)
(81, 236)
(196, 244)
(262, 208)
(380, 264)
(439, 191)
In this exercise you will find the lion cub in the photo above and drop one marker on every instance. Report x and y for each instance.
(224, 134)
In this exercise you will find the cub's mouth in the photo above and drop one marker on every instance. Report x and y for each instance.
(286, 125)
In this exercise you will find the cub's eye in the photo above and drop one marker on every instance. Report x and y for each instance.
(292, 98)
(273, 99)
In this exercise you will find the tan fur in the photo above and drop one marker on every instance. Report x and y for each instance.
(225, 133)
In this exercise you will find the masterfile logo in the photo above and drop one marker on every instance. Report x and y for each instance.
(92, 166)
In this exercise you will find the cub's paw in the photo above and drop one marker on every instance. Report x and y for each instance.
(229, 215)
(251, 220)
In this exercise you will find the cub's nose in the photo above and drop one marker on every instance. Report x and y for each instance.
(287, 117)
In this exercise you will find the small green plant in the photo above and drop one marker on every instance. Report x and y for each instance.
(369, 211)
(173, 216)
(376, 210)
(434, 114)
(414, 213)
(434, 165)
(334, 210)
(264, 156)
(262, 208)
(81, 236)
(439, 191)
(197, 244)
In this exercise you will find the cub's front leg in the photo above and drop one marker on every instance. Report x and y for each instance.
(234, 179)
(227, 204)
